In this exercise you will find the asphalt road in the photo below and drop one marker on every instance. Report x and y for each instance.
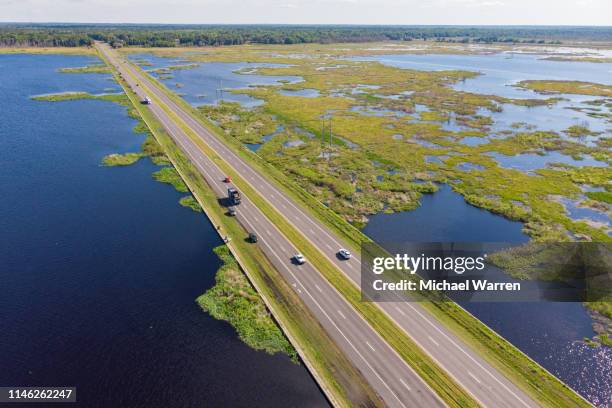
(396, 383)
(386, 371)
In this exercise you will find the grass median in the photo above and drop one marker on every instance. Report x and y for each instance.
(342, 382)
(452, 393)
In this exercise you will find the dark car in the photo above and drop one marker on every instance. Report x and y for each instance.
(252, 238)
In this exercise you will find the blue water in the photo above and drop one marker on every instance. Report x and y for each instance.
(500, 70)
(529, 162)
(577, 212)
(201, 85)
(444, 217)
(548, 332)
(100, 267)
(305, 93)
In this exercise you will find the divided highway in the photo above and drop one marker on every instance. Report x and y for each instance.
(396, 383)
(389, 375)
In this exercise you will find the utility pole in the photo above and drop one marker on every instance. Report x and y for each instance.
(330, 134)
(322, 131)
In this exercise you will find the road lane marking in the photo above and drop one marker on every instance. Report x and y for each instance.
(370, 346)
(191, 143)
(333, 323)
(405, 385)
(318, 288)
(400, 311)
(433, 341)
(474, 377)
(469, 356)
(341, 315)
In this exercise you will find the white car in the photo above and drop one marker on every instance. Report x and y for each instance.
(344, 254)
(299, 259)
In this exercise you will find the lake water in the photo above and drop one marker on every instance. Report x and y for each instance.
(500, 71)
(548, 332)
(100, 267)
(201, 85)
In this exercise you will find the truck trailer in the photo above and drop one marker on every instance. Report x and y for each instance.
(233, 195)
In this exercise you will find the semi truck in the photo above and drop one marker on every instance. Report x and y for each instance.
(233, 195)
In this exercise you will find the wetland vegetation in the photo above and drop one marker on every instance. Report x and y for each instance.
(397, 134)
(233, 299)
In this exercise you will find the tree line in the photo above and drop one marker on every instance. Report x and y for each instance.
(75, 35)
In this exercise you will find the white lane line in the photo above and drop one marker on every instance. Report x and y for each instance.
(333, 323)
(474, 377)
(468, 356)
(370, 346)
(318, 288)
(256, 219)
(341, 315)
(282, 248)
(400, 311)
(329, 247)
(405, 385)
(433, 341)
(268, 232)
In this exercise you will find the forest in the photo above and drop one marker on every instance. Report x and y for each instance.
(76, 35)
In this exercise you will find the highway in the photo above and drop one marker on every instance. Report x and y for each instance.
(396, 383)
(389, 375)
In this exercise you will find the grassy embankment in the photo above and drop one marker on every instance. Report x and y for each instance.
(342, 382)
(234, 300)
(539, 383)
(431, 373)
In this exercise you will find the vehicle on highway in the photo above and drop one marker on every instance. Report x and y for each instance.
(233, 195)
(252, 237)
(344, 253)
(227, 179)
(299, 259)
(231, 211)
(146, 101)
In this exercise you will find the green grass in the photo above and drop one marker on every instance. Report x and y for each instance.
(525, 372)
(603, 196)
(343, 384)
(95, 69)
(63, 96)
(431, 373)
(170, 176)
(190, 202)
(123, 159)
(234, 300)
